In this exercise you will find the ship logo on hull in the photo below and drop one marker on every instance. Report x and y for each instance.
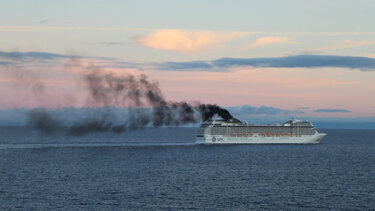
(217, 139)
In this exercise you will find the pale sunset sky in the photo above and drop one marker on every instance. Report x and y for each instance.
(316, 58)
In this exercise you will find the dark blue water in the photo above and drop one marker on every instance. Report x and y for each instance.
(158, 169)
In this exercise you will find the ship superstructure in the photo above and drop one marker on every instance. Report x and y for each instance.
(237, 132)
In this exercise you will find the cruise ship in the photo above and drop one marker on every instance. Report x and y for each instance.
(234, 131)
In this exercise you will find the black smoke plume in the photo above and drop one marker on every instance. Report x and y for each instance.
(43, 121)
(143, 98)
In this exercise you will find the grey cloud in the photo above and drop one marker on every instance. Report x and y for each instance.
(328, 110)
(183, 65)
(33, 55)
(298, 61)
(46, 56)
(5, 63)
(302, 61)
(25, 58)
(121, 64)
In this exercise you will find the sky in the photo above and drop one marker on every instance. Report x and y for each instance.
(303, 58)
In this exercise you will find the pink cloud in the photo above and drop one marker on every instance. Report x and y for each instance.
(266, 41)
(186, 42)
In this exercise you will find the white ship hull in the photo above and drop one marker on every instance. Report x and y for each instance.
(219, 139)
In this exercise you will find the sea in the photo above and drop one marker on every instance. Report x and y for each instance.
(163, 169)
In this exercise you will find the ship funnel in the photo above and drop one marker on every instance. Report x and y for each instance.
(294, 120)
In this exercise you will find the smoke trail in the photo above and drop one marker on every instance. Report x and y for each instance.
(143, 98)
(139, 91)
(43, 121)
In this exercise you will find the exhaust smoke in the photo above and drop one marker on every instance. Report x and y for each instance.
(143, 99)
